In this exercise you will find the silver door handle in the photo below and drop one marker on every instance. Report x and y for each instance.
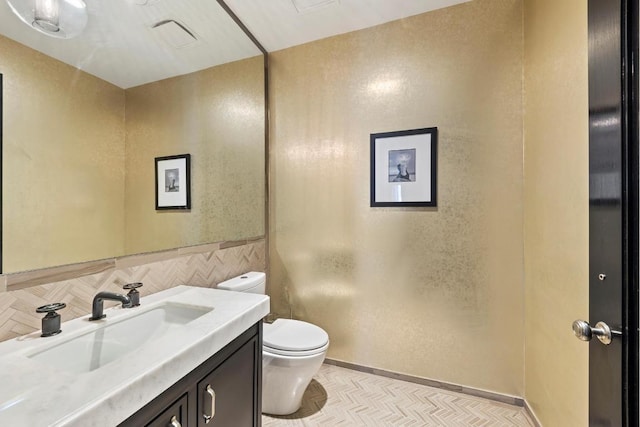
(174, 422)
(209, 410)
(584, 332)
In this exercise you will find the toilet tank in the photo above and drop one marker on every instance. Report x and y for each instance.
(252, 282)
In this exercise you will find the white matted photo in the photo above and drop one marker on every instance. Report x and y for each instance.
(404, 168)
(173, 182)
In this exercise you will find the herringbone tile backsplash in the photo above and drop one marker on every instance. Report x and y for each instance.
(17, 308)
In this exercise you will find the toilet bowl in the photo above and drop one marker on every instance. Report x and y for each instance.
(292, 353)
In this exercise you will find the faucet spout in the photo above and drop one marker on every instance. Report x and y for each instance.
(98, 303)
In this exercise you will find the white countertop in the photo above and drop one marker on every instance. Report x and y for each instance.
(34, 394)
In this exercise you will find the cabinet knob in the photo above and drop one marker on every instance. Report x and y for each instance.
(174, 422)
(209, 407)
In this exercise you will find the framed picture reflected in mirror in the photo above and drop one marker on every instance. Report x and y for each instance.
(173, 182)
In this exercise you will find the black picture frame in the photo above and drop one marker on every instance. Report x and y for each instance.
(173, 182)
(404, 168)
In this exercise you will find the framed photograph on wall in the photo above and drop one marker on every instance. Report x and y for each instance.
(173, 182)
(404, 168)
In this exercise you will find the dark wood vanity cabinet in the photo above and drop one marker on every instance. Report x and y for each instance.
(225, 391)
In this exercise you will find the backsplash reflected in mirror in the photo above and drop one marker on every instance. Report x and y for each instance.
(79, 141)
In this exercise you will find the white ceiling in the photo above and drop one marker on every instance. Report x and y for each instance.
(119, 46)
(278, 24)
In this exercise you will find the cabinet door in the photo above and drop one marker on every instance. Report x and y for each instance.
(227, 397)
(175, 415)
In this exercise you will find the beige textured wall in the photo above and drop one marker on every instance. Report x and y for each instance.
(556, 197)
(436, 293)
(216, 115)
(63, 148)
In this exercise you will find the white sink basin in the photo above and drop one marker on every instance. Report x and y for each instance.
(95, 349)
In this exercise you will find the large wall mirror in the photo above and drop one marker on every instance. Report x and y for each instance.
(85, 117)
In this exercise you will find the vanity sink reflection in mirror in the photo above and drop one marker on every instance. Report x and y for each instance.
(113, 340)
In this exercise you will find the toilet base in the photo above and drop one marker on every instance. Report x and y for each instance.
(285, 379)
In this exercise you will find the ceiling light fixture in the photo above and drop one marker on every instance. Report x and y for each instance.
(62, 19)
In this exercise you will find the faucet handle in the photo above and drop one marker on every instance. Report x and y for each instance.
(133, 294)
(51, 322)
(51, 308)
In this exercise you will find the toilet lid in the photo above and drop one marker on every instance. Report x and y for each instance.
(293, 335)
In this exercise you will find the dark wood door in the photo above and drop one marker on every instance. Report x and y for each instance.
(613, 219)
(227, 396)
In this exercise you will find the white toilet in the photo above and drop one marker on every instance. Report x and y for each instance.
(292, 352)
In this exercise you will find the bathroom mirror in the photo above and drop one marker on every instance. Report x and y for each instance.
(84, 119)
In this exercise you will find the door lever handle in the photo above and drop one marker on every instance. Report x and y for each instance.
(584, 332)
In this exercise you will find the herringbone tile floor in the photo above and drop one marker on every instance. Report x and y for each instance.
(344, 397)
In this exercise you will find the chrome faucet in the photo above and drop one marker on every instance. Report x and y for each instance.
(98, 303)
